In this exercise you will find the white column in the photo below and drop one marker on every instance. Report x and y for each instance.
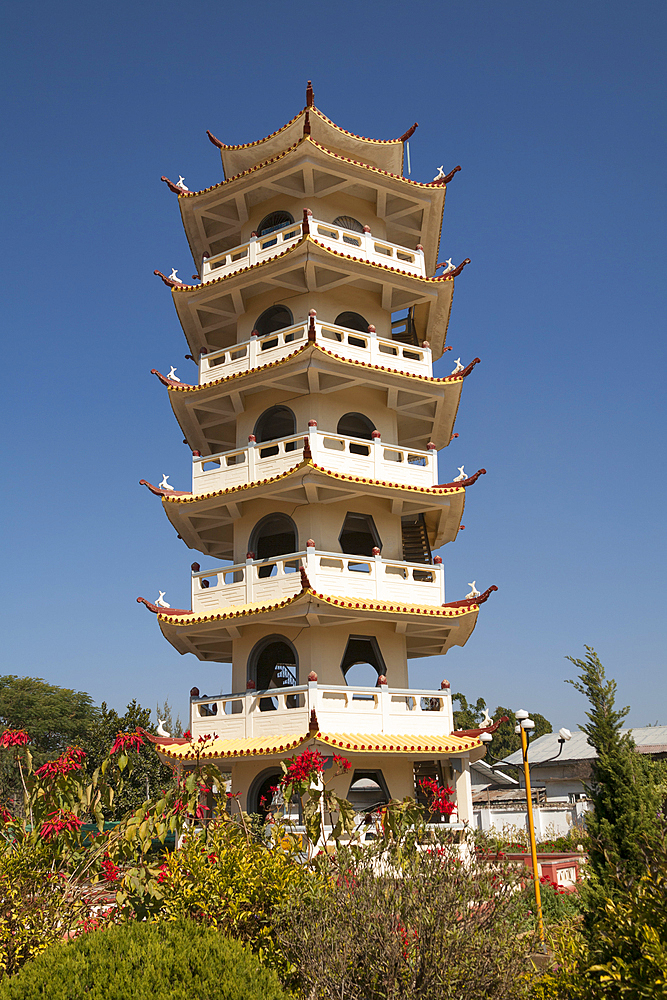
(377, 455)
(464, 792)
(252, 458)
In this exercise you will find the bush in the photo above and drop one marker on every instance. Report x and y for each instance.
(423, 924)
(172, 961)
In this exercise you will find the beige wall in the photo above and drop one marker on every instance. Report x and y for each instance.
(328, 307)
(327, 409)
(324, 209)
(322, 649)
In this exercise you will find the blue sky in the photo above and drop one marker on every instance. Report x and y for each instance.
(556, 113)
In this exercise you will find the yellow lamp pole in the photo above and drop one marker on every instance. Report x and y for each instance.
(521, 717)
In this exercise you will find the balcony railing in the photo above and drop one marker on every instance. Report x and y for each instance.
(342, 709)
(273, 580)
(346, 241)
(349, 344)
(353, 456)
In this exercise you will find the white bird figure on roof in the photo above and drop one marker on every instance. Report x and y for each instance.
(161, 731)
(458, 367)
(473, 591)
(179, 183)
(161, 603)
(440, 174)
(458, 479)
(173, 276)
(450, 266)
(172, 375)
(164, 485)
(487, 720)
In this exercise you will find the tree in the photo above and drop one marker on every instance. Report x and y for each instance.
(54, 717)
(468, 716)
(149, 775)
(625, 785)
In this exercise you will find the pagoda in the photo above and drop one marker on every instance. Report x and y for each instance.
(314, 318)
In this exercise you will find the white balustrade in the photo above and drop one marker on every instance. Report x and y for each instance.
(370, 459)
(339, 574)
(342, 709)
(345, 241)
(351, 345)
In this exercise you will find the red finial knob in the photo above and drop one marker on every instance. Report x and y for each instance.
(462, 527)
(445, 685)
(375, 435)
(431, 447)
(312, 312)
(419, 247)
(382, 680)
(425, 343)
(194, 692)
(251, 438)
(371, 328)
(453, 436)
(437, 561)
(312, 423)
(254, 333)
(376, 551)
(310, 544)
(312, 676)
(195, 567)
(250, 555)
(367, 229)
(196, 454)
(250, 685)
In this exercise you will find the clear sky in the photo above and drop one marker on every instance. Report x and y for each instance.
(556, 113)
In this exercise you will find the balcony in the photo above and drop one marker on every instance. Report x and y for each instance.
(345, 241)
(334, 573)
(351, 345)
(352, 456)
(339, 709)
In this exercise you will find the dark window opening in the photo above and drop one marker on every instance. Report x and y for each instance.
(359, 535)
(273, 664)
(274, 221)
(403, 328)
(416, 546)
(352, 321)
(274, 424)
(274, 535)
(362, 651)
(271, 320)
(260, 795)
(347, 222)
(356, 425)
(368, 791)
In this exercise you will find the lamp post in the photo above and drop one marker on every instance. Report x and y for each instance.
(524, 725)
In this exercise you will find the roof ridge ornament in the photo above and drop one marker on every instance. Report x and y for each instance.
(216, 142)
(451, 271)
(442, 178)
(462, 480)
(310, 98)
(411, 131)
(171, 281)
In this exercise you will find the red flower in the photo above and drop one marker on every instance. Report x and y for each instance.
(14, 738)
(439, 802)
(58, 821)
(342, 762)
(187, 735)
(111, 871)
(125, 741)
(70, 760)
(303, 767)
(5, 815)
(164, 873)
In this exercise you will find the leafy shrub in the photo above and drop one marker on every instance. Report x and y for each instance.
(173, 961)
(229, 880)
(36, 907)
(396, 923)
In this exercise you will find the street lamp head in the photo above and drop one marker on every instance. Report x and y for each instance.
(486, 737)
(521, 715)
(527, 724)
(564, 735)
(517, 729)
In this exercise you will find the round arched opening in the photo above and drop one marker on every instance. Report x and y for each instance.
(347, 222)
(273, 663)
(276, 423)
(352, 321)
(273, 319)
(356, 425)
(274, 535)
(274, 221)
(262, 791)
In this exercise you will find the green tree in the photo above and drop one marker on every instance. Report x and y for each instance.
(506, 741)
(149, 775)
(468, 716)
(54, 717)
(625, 786)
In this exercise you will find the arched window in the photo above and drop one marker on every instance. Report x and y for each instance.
(347, 222)
(260, 796)
(352, 321)
(359, 536)
(273, 664)
(275, 423)
(274, 535)
(356, 425)
(271, 320)
(273, 221)
(362, 661)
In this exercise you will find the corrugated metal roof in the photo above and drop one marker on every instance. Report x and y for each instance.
(649, 739)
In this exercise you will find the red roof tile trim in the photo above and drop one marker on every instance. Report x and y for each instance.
(469, 601)
(462, 482)
(163, 493)
(157, 610)
(483, 729)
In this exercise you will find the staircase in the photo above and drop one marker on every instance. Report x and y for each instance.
(404, 331)
(416, 548)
